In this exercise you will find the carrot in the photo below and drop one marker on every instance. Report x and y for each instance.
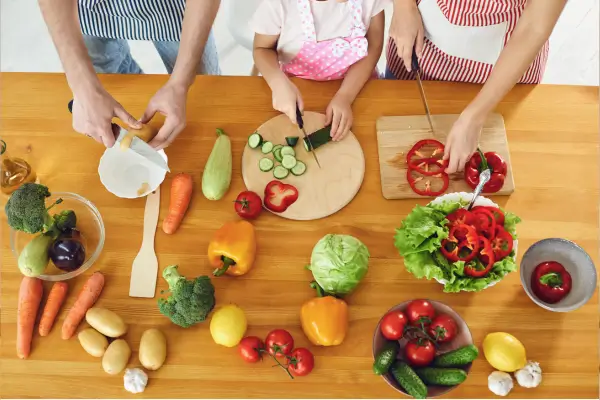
(86, 299)
(56, 298)
(30, 297)
(181, 194)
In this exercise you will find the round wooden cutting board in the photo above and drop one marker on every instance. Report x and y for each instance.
(321, 191)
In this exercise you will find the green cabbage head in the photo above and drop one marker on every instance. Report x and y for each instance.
(338, 263)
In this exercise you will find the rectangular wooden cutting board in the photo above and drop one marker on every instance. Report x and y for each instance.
(396, 136)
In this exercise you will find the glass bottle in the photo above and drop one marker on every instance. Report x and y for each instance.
(13, 171)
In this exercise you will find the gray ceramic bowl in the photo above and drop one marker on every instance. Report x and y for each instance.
(575, 260)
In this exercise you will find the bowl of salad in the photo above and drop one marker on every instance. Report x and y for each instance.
(464, 250)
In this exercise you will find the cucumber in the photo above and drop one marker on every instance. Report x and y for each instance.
(216, 177)
(288, 161)
(288, 151)
(292, 140)
(442, 376)
(409, 380)
(277, 146)
(280, 172)
(318, 138)
(265, 164)
(255, 140)
(386, 357)
(457, 358)
(267, 147)
(299, 168)
(277, 154)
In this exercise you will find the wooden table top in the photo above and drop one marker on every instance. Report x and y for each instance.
(553, 140)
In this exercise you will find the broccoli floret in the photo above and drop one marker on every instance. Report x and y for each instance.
(191, 300)
(26, 209)
(65, 220)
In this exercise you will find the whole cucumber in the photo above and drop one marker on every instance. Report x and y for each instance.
(442, 376)
(217, 172)
(409, 380)
(34, 258)
(457, 358)
(385, 358)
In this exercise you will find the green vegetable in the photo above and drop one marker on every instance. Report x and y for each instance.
(510, 223)
(385, 358)
(457, 358)
(26, 208)
(65, 220)
(318, 138)
(34, 258)
(409, 380)
(191, 300)
(442, 376)
(338, 263)
(291, 140)
(217, 172)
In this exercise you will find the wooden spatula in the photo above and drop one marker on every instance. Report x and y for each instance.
(145, 266)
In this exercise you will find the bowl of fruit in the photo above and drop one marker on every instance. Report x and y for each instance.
(423, 348)
(55, 236)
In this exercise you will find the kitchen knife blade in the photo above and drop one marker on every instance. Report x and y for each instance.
(300, 122)
(417, 69)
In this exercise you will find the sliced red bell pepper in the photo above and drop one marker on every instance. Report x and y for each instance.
(427, 166)
(481, 265)
(485, 223)
(425, 185)
(461, 216)
(498, 214)
(462, 243)
(502, 244)
(427, 148)
(279, 196)
(478, 162)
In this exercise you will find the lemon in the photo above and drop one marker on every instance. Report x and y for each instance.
(504, 352)
(228, 325)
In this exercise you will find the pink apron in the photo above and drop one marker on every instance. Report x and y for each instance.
(329, 59)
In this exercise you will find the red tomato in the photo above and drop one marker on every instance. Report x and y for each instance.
(250, 349)
(418, 309)
(279, 342)
(443, 328)
(419, 352)
(392, 325)
(302, 362)
(248, 205)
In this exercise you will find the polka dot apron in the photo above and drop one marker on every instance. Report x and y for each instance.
(329, 59)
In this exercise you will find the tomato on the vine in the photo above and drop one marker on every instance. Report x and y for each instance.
(250, 348)
(301, 362)
(419, 352)
(279, 343)
(392, 325)
(443, 328)
(420, 311)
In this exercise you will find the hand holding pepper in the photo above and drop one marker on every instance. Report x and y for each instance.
(462, 141)
(232, 249)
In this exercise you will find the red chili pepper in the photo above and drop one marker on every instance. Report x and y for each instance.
(551, 282)
(279, 196)
(483, 263)
(502, 244)
(485, 223)
(498, 214)
(461, 216)
(462, 243)
(425, 185)
(492, 161)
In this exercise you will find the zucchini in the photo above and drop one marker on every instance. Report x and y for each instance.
(288, 161)
(255, 140)
(386, 357)
(280, 172)
(457, 358)
(266, 147)
(265, 164)
(318, 138)
(292, 140)
(442, 376)
(216, 177)
(299, 168)
(277, 154)
(409, 380)
(288, 151)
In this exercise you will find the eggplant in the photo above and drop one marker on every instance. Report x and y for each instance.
(67, 254)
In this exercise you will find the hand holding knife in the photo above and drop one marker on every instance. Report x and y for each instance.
(300, 123)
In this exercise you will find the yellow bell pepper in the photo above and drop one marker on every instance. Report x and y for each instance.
(233, 248)
(324, 320)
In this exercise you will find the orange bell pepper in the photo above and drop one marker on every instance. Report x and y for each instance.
(324, 320)
(233, 248)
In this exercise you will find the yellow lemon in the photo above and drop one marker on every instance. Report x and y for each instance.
(504, 352)
(228, 325)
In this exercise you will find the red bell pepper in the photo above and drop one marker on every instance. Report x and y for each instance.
(425, 185)
(478, 162)
(502, 244)
(485, 223)
(461, 216)
(481, 265)
(551, 282)
(427, 166)
(279, 196)
(462, 243)
(498, 214)
(425, 157)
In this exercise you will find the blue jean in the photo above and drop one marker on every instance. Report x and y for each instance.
(113, 56)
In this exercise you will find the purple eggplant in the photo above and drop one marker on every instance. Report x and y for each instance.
(67, 254)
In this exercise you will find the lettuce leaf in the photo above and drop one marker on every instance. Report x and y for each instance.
(422, 230)
(510, 223)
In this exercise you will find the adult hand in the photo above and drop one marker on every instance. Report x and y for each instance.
(339, 115)
(407, 30)
(462, 141)
(93, 113)
(285, 98)
(170, 101)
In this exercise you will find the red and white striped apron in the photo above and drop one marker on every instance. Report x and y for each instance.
(463, 40)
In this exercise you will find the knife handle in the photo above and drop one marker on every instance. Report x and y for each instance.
(299, 119)
(415, 60)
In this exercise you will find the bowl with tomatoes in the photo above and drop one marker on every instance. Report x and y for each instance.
(430, 346)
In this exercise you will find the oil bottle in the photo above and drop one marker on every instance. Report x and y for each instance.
(13, 171)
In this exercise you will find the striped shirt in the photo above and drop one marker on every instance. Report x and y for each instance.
(463, 40)
(159, 20)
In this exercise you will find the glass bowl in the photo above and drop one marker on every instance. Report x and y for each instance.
(89, 224)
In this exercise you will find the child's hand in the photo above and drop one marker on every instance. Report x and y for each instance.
(339, 115)
(462, 141)
(285, 97)
(407, 30)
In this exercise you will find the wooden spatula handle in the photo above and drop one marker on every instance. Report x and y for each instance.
(151, 217)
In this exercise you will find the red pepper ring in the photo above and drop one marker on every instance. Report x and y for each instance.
(417, 148)
(485, 223)
(414, 179)
(502, 244)
(483, 263)
(427, 166)
(462, 243)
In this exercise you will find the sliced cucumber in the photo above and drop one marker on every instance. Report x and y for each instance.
(288, 161)
(255, 140)
(277, 154)
(265, 164)
(292, 140)
(280, 172)
(288, 151)
(317, 138)
(277, 146)
(299, 168)
(267, 147)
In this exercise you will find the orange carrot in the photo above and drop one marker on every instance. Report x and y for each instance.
(86, 299)
(30, 297)
(181, 194)
(56, 298)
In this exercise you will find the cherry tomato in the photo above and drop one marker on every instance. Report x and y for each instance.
(419, 352)
(279, 342)
(443, 328)
(420, 309)
(248, 205)
(301, 362)
(250, 349)
(392, 325)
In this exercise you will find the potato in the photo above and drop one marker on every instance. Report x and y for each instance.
(116, 357)
(106, 322)
(153, 349)
(146, 133)
(93, 342)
